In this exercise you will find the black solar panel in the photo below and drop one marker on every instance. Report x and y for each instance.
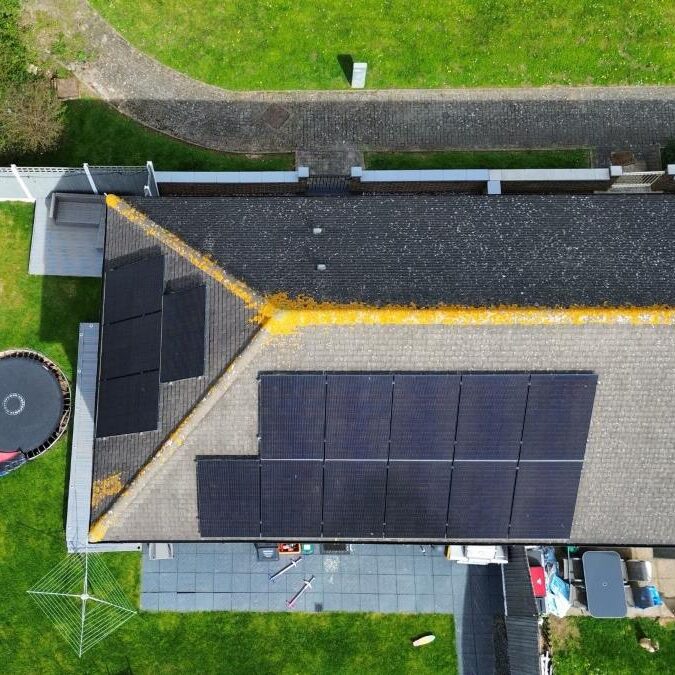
(424, 416)
(417, 499)
(559, 408)
(292, 412)
(353, 499)
(491, 412)
(228, 496)
(291, 493)
(480, 499)
(134, 289)
(358, 415)
(183, 326)
(131, 346)
(128, 404)
(544, 500)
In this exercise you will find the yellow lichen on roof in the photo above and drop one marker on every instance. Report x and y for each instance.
(289, 317)
(106, 487)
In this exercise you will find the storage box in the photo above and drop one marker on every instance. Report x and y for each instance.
(538, 579)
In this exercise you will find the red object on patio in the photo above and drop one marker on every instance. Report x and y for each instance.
(538, 579)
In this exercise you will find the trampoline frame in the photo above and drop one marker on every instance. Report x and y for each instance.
(65, 391)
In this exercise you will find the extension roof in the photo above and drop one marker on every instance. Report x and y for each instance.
(473, 260)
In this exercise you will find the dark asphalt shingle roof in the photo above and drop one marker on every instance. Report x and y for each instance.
(546, 250)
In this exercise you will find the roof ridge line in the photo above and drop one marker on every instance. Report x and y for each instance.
(292, 315)
(175, 440)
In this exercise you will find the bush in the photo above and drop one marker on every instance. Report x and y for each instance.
(31, 118)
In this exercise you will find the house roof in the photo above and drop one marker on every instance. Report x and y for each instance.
(270, 247)
(473, 250)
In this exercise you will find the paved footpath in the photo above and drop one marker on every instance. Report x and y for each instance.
(602, 118)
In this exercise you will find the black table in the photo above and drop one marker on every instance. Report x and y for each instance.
(604, 584)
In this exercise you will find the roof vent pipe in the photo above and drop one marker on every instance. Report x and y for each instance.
(320, 267)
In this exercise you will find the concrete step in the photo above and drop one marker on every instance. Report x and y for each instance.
(337, 162)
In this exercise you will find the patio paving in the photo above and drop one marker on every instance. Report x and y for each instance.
(373, 578)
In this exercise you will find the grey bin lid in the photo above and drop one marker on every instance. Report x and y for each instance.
(604, 584)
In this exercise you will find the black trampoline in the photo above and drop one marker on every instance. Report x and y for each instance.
(34, 403)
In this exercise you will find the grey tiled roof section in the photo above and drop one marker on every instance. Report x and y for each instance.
(82, 452)
(229, 328)
(625, 495)
(478, 250)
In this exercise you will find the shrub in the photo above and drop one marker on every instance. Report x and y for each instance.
(31, 118)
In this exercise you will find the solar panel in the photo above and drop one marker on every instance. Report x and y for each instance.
(424, 416)
(559, 408)
(491, 412)
(134, 289)
(292, 412)
(128, 404)
(183, 334)
(358, 415)
(417, 499)
(480, 499)
(292, 493)
(544, 500)
(228, 496)
(353, 499)
(131, 346)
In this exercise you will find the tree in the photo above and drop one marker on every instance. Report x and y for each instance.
(31, 117)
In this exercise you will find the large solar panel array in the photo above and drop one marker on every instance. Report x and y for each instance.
(128, 398)
(146, 337)
(414, 456)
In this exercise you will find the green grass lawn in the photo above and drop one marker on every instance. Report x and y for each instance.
(98, 134)
(480, 159)
(610, 647)
(43, 313)
(279, 44)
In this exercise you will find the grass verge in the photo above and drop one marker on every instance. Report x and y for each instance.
(481, 159)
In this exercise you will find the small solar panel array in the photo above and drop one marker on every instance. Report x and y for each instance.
(148, 335)
(417, 456)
